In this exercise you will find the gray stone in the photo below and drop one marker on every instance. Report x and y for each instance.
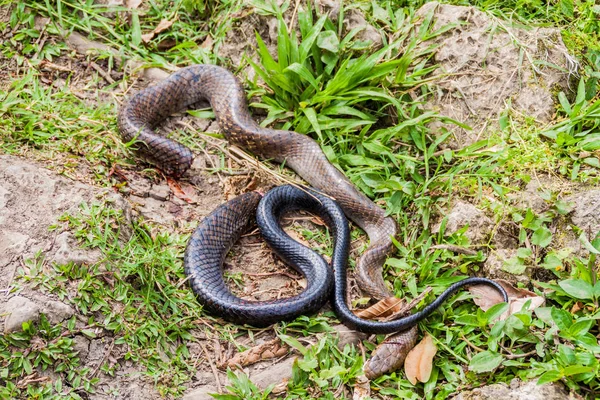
(355, 19)
(202, 393)
(33, 198)
(274, 374)
(57, 311)
(67, 251)
(462, 214)
(585, 212)
(19, 310)
(160, 192)
(517, 390)
(81, 346)
(152, 209)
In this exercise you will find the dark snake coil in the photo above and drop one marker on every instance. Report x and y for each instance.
(218, 231)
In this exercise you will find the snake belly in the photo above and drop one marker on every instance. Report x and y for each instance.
(143, 111)
(209, 244)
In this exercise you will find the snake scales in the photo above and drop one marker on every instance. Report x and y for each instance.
(217, 232)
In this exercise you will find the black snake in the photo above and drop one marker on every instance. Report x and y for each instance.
(211, 241)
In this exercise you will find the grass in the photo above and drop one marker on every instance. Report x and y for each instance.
(365, 108)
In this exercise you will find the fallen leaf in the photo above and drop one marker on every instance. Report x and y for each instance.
(146, 37)
(166, 44)
(381, 309)
(362, 388)
(318, 221)
(133, 4)
(208, 43)
(576, 307)
(486, 296)
(180, 192)
(419, 362)
(271, 349)
(390, 354)
(162, 26)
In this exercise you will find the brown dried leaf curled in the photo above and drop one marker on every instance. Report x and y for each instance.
(162, 26)
(271, 349)
(486, 297)
(419, 362)
(381, 309)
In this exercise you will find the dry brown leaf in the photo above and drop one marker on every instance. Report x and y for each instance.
(419, 361)
(390, 355)
(362, 388)
(318, 221)
(179, 191)
(381, 309)
(146, 37)
(133, 4)
(162, 26)
(208, 43)
(166, 44)
(487, 296)
(576, 307)
(271, 349)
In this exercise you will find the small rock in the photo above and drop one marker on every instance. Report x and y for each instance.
(517, 390)
(204, 377)
(348, 336)
(202, 393)
(139, 186)
(463, 214)
(152, 209)
(57, 311)
(482, 60)
(274, 374)
(160, 192)
(354, 19)
(585, 212)
(81, 346)
(332, 7)
(68, 251)
(19, 310)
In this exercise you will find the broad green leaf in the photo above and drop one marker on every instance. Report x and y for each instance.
(581, 327)
(311, 115)
(485, 361)
(586, 243)
(336, 370)
(293, 342)
(308, 364)
(514, 266)
(577, 289)
(303, 73)
(309, 40)
(550, 376)
(561, 318)
(328, 40)
(576, 369)
(541, 237)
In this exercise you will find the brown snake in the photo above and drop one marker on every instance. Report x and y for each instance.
(226, 95)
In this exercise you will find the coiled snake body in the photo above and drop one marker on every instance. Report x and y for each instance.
(217, 232)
